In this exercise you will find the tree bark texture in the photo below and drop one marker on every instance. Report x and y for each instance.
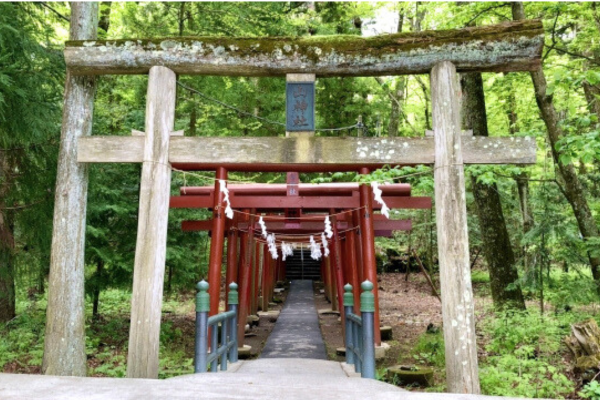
(496, 241)
(64, 346)
(573, 189)
(151, 245)
(453, 238)
(7, 276)
(512, 46)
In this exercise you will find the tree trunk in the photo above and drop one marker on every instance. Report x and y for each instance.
(398, 95)
(64, 347)
(592, 96)
(7, 277)
(522, 179)
(497, 248)
(96, 289)
(573, 189)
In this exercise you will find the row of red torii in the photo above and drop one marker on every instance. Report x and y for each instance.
(508, 47)
(294, 212)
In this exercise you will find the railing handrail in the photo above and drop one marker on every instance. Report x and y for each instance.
(225, 351)
(215, 319)
(360, 347)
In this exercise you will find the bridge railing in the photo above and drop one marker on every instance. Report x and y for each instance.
(222, 349)
(360, 346)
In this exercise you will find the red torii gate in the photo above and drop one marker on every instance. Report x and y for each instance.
(340, 200)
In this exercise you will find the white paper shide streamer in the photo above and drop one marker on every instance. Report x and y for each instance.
(315, 249)
(325, 245)
(263, 227)
(385, 210)
(225, 191)
(272, 246)
(286, 250)
(328, 230)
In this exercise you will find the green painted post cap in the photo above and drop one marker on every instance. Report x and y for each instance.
(367, 298)
(202, 297)
(348, 296)
(232, 299)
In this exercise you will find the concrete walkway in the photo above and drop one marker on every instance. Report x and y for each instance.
(297, 333)
(216, 386)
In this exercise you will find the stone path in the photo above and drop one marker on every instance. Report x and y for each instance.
(297, 333)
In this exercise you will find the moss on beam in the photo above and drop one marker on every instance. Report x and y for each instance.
(517, 45)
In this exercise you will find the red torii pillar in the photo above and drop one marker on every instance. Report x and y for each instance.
(336, 250)
(232, 260)
(246, 255)
(368, 247)
(216, 244)
(352, 276)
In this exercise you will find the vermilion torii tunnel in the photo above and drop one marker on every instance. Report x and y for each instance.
(293, 212)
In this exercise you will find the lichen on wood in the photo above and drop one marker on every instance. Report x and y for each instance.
(511, 46)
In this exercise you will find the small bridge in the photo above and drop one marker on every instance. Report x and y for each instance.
(292, 365)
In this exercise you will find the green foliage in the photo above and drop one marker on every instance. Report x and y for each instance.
(523, 355)
(430, 350)
(591, 391)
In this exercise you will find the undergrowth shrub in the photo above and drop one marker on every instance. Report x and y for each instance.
(430, 350)
(523, 355)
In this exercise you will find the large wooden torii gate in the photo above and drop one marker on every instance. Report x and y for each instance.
(512, 46)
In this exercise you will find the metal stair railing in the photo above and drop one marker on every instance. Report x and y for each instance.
(223, 350)
(360, 346)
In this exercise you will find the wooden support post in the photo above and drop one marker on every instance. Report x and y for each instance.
(231, 274)
(151, 245)
(329, 284)
(336, 255)
(368, 248)
(246, 254)
(255, 277)
(358, 248)
(453, 241)
(264, 282)
(64, 346)
(216, 244)
(353, 267)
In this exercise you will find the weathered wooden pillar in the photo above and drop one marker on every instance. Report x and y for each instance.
(453, 240)
(64, 346)
(151, 245)
(368, 248)
(217, 240)
(231, 274)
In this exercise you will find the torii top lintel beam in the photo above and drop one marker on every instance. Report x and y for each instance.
(511, 46)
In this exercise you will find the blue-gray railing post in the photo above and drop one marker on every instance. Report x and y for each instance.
(214, 345)
(358, 344)
(202, 308)
(233, 306)
(348, 304)
(367, 309)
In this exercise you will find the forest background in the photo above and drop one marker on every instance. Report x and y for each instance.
(533, 230)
